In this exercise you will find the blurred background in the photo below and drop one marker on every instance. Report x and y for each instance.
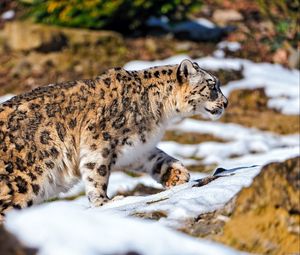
(44, 42)
(79, 39)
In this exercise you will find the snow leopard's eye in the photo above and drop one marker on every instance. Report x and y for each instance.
(211, 83)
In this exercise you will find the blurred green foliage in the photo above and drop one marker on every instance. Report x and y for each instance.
(284, 14)
(120, 15)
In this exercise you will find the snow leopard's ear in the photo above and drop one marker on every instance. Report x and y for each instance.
(186, 70)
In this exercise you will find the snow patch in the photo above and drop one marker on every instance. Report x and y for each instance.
(72, 229)
(232, 46)
(243, 144)
(205, 22)
(5, 98)
(8, 15)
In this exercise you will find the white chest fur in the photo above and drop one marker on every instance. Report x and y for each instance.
(129, 154)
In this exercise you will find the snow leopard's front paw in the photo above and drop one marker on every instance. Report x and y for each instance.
(97, 200)
(175, 174)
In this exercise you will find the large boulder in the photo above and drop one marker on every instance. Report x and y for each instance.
(266, 215)
(26, 36)
(263, 218)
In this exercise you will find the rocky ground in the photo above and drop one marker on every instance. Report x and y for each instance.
(9, 245)
(262, 218)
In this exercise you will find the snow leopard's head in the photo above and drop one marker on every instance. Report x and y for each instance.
(201, 89)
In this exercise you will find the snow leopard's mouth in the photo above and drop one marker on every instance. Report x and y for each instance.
(216, 111)
(214, 114)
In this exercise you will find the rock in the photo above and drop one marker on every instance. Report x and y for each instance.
(199, 31)
(249, 100)
(228, 75)
(23, 68)
(280, 56)
(85, 37)
(26, 36)
(206, 225)
(224, 17)
(9, 245)
(249, 107)
(140, 190)
(266, 215)
(294, 56)
(154, 215)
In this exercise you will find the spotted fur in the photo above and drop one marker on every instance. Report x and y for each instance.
(54, 136)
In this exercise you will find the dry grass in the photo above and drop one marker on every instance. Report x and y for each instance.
(140, 190)
(202, 168)
(249, 108)
(190, 137)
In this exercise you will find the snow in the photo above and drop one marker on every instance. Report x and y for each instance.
(185, 201)
(219, 53)
(281, 84)
(200, 29)
(73, 227)
(5, 98)
(232, 46)
(205, 22)
(225, 45)
(8, 15)
(119, 182)
(242, 142)
(86, 232)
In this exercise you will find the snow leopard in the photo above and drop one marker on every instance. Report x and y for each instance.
(57, 135)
